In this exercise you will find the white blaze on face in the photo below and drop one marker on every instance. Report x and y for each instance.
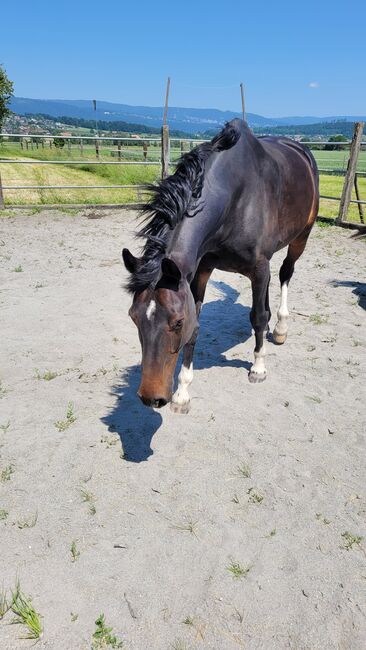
(151, 309)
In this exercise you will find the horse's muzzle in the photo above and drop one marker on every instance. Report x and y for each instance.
(154, 402)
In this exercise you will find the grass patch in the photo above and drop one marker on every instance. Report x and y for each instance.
(62, 425)
(349, 540)
(48, 375)
(3, 390)
(254, 497)
(28, 523)
(3, 514)
(4, 604)
(5, 427)
(18, 269)
(88, 497)
(25, 614)
(189, 526)
(318, 319)
(244, 470)
(6, 473)
(103, 637)
(237, 570)
(75, 553)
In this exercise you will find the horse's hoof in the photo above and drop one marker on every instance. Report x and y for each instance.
(256, 377)
(183, 409)
(279, 339)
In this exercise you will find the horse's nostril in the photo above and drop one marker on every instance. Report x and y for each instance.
(153, 402)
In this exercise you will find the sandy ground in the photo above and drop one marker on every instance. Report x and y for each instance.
(172, 508)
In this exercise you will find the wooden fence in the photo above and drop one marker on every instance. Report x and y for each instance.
(161, 146)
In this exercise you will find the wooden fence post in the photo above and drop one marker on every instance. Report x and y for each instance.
(97, 149)
(119, 149)
(349, 178)
(360, 207)
(144, 149)
(81, 147)
(2, 206)
(165, 151)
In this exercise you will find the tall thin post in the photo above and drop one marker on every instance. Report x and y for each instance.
(166, 101)
(95, 116)
(2, 206)
(165, 140)
(349, 178)
(242, 100)
(360, 207)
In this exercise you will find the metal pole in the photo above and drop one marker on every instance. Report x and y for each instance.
(242, 100)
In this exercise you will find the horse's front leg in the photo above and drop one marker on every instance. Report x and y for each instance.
(259, 317)
(181, 401)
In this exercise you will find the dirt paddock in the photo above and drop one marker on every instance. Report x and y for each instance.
(239, 525)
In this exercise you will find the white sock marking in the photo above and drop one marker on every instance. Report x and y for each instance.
(283, 313)
(151, 310)
(185, 378)
(258, 366)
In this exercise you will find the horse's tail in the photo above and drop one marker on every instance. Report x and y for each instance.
(172, 196)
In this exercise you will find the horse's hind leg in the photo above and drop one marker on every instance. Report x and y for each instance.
(294, 251)
(181, 401)
(259, 317)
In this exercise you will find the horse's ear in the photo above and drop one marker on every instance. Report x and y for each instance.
(131, 262)
(169, 269)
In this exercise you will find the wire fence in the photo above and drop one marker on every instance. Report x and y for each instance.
(38, 169)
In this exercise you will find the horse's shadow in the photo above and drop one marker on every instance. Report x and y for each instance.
(359, 289)
(223, 324)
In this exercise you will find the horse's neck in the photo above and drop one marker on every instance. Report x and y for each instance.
(188, 239)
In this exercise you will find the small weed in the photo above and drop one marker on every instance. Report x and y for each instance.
(103, 637)
(88, 497)
(188, 621)
(3, 390)
(39, 285)
(273, 532)
(311, 348)
(235, 499)
(243, 470)
(75, 554)
(4, 604)
(318, 319)
(6, 473)
(18, 269)
(3, 514)
(178, 644)
(321, 518)
(314, 398)
(350, 539)
(254, 497)
(47, 375)
(62, 425)
(109, 441)
(74, 617)
(28, 523)
(237, 570)
(5, 427)
(189, 526)
(25, 613)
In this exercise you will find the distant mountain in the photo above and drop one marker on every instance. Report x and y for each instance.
(189, 120)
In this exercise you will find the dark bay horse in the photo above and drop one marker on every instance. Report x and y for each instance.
(230, 205)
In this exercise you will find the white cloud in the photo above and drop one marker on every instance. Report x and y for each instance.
(314, 84)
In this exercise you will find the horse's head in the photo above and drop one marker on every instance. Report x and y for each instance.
(166, 320)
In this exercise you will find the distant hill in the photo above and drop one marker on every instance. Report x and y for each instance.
(188, 120)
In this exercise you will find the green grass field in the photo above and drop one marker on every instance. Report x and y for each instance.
(86, 174)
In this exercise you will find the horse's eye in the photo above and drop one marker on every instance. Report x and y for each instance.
(177, 325)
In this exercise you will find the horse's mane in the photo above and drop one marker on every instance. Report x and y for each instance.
(171, 200)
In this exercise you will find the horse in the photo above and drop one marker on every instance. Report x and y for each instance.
(230, 205)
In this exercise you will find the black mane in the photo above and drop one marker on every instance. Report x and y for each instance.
(170, 203)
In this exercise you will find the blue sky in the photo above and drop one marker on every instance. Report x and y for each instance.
(294, 58)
